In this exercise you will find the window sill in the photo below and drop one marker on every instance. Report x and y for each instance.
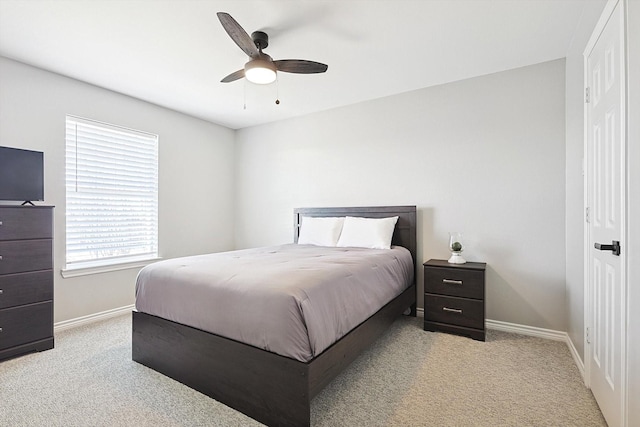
(98, 269)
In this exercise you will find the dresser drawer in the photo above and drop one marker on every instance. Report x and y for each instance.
(454, 311)
(20, 222)
(24, 324)
(18, 256)
(25, 288)
(454, 282)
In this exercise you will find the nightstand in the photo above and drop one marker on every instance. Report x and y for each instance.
(454, 299)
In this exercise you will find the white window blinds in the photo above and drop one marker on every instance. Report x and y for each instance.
(112, 194)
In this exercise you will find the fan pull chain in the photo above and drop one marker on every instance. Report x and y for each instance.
(244, 94)
(277, 90)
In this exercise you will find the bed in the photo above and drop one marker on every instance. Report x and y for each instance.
(272, 388)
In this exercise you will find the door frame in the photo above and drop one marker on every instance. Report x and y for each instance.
(624, 238)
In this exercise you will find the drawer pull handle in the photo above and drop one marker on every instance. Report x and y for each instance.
(452, 310)
(0, 329)
(452, 282)
(1, 291)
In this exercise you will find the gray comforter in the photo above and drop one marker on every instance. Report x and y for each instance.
(293, 300)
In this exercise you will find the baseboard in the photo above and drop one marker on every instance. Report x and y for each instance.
(576, 358)
(531, 331)
(518, 329)
(103, 315)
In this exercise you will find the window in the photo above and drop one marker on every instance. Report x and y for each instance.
(112, 194)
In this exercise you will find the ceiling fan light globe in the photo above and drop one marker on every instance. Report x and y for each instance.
(260, 71)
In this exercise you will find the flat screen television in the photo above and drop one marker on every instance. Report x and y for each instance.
(21, 175)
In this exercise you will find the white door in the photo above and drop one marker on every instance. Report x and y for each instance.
(606, 201)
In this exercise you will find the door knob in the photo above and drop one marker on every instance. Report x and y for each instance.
(614, 247)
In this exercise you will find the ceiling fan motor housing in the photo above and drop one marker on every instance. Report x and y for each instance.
(261, 39)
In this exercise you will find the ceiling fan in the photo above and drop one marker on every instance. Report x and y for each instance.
(261, 68)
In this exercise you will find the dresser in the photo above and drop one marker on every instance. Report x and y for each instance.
(454, 298)
(26, 279)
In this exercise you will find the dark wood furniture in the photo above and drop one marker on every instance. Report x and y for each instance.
(270, 388)
(454, 298)
(26, 279)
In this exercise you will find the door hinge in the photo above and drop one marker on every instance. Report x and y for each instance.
(588, 338)
(586, 215)
(587, 95)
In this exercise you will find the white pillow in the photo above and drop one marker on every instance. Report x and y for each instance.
(320, 231)
(373, 233)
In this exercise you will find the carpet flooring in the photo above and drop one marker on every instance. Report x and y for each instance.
(409, 377)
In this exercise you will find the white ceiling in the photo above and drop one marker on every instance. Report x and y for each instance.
(173, 53)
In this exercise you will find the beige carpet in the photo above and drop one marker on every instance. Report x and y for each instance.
(408, 378)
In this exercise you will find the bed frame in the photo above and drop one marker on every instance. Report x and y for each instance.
(270, 388)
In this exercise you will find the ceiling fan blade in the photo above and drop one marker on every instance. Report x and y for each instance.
(300, 66)
(238, 34)
(236, 75)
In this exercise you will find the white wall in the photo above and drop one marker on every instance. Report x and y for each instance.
(574, 173)
(485, 156)
(196, 161)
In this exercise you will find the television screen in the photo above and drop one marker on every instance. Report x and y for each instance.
(21, 174)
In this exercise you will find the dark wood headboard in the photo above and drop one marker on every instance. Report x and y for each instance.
(404, 234)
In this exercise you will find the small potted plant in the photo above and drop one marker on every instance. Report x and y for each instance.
(456, 248)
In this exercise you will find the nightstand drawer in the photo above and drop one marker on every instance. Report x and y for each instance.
(454, 311)
(454, 282)
(21, 222)
(25, 324)
(25, 288)
(17, 256)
